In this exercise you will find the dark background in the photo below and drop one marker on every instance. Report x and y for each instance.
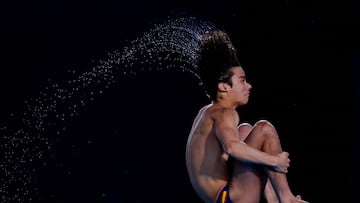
(302, 58)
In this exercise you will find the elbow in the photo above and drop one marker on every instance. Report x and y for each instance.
(230, 148)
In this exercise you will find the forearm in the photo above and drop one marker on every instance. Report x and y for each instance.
(242, 151)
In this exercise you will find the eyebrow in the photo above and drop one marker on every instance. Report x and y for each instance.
(243, 76)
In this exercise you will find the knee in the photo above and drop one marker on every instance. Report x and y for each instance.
(263, 124)
(266, 128)
(245, 126)
(244, 130)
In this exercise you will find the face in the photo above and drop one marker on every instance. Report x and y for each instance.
(240, 89)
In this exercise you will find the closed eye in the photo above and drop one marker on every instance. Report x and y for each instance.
(243, 78)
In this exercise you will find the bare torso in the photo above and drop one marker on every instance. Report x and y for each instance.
(206, 162)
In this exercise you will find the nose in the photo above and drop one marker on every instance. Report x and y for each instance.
(249, 86)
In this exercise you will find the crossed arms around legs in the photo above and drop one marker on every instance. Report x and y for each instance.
(254, 152)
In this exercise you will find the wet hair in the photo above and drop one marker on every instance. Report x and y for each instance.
(216, 56)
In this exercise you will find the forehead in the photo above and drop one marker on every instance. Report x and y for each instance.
(238, 71)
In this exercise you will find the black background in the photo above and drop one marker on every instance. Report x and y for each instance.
(301, 57)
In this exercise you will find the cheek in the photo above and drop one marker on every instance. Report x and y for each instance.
(240, 88)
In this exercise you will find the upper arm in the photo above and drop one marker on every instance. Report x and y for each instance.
(226, 122)
(226, 131)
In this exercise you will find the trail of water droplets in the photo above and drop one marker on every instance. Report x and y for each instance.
(27, 139)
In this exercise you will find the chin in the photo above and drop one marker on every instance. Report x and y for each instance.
(243, 103)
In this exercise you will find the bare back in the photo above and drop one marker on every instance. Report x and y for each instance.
(205, 160)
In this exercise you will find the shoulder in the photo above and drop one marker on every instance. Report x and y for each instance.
(225, 115)
(228, 113)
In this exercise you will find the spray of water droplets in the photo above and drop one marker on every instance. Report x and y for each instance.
(27, 140)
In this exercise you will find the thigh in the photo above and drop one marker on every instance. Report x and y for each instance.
(247, 182)
(259, 132)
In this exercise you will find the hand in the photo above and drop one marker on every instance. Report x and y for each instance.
(283, 162)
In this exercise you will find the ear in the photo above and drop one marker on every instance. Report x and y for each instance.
(223, 87)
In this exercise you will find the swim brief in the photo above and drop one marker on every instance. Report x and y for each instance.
(224, 196)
